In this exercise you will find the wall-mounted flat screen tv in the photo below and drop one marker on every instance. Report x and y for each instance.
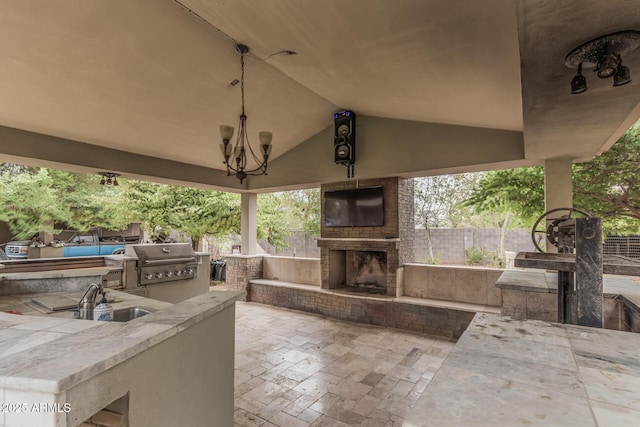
(361, 207)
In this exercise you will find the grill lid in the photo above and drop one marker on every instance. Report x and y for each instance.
(159, 254)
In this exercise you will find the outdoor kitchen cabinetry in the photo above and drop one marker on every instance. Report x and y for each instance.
(185, 350)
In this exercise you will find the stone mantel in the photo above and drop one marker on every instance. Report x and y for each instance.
(358, 243)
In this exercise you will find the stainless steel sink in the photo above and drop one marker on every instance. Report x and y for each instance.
(126, 314)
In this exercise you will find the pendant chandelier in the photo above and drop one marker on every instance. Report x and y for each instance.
(109, 178)
(235, 156)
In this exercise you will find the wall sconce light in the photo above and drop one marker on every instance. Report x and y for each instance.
(109, 178)
(604, 55)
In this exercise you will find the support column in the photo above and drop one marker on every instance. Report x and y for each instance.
(248, 223)
(558, 188)
(558, 193)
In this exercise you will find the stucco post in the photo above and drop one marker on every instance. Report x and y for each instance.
(248, 223)
(558, 188)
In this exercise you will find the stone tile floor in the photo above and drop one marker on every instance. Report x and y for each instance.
(301, 369)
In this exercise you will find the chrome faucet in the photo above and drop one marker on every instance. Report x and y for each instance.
(88, 301)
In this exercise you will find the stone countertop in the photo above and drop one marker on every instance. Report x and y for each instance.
(48, 274)
(504, 372)
(51, 352)
(547, 282)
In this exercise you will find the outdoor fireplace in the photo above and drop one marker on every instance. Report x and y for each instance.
(365, 257)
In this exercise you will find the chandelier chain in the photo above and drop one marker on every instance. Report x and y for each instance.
(242, 79)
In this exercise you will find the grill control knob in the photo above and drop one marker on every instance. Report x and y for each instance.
(158, 275)
(178, 272)
(190, 271)
(148, 276)
(168, 273)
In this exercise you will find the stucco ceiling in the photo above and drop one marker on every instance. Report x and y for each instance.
(152, 79)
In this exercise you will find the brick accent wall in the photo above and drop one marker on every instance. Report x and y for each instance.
(389, 313)
(406, 221)
(241, 269)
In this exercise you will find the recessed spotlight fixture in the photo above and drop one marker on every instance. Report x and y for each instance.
(604, 55)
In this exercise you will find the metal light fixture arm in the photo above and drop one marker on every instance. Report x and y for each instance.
(239, 149)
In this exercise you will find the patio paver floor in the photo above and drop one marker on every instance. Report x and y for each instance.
(302, 369)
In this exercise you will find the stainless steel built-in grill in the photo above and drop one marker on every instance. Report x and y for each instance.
(159, 263)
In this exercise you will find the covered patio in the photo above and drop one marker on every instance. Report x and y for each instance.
(141, 89)
(437, 88)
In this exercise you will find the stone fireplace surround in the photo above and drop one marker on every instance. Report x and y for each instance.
(334, 260)
(340, 245)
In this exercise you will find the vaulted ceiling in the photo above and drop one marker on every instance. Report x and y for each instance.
(140, 87)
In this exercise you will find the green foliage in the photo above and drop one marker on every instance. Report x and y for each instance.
(518, 191)
(163, 209)
(437, 259)
(439, 200)
(304, 207)
(273, 224)
(30, 203)
(33, 199)
(473, 256)
(606, 186)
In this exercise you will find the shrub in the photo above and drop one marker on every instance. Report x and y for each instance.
(474, 256)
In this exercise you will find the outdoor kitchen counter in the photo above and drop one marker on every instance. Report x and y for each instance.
(51, 354)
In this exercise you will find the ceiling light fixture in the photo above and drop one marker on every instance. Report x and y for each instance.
(109, 178)
(604, 54)
(239, 149)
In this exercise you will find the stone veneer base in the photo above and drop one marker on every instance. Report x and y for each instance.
(371, 310)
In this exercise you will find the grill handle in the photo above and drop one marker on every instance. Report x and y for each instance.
(169, 260)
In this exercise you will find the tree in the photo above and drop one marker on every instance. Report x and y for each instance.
(439, 202)
(303, 208)
(273, 220)
(163, 209)
(606, 186)
(30, 203)
(33, 199)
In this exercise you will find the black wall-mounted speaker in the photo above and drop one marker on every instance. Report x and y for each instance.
(344, 139)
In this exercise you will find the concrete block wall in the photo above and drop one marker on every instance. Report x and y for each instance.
(449, 244)
(475, 285)
(300, 243)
